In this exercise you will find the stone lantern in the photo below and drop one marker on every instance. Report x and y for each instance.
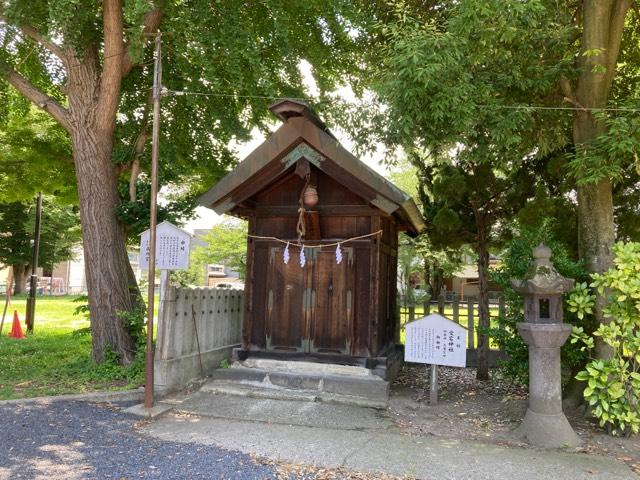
(544, 332)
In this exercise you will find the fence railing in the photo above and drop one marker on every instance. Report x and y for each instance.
(198, 328)
(464, 312)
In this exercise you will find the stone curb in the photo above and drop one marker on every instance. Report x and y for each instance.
(116, 395)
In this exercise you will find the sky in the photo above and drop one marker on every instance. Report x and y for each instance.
(206, 218)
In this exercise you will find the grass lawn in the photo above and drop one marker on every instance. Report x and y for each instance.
(52, 360)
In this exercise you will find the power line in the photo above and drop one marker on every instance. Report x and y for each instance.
(544, 107)
(179, 93)
(166, 91)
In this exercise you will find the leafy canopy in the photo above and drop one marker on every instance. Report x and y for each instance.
(60, 232)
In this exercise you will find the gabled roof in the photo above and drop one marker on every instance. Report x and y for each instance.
(304, 135)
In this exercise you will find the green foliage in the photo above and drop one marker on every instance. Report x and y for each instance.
(611, 154)
(452, 74)
(417, 257)
(35, 155)
(226, 244)
(515, 261)
(175, 208)
(238, 57)
(135, 322)
(60, 231)
(613, 384)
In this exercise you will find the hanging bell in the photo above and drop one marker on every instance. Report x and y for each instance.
(310, 197)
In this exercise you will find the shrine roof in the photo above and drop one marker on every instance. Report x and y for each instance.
(304, 135)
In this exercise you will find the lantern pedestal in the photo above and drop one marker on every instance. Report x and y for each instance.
(545, 424)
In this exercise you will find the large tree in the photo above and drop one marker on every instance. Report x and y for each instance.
(602, 24)
(528, 78)
(86, 63)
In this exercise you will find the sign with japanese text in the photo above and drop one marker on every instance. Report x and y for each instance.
(172, 248)
(436, 340)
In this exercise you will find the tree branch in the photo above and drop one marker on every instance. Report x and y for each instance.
(111, 77)
(31, 32)
(567, 89)
(32, 93)
(152, 21)
(616, 27)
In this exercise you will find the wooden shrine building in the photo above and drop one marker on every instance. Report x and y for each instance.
(302, 184)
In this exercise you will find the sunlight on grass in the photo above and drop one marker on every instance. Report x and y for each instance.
(53, 360)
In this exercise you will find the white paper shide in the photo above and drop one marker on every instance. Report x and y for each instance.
(436, 340)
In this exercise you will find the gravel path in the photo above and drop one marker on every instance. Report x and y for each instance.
(78, 440)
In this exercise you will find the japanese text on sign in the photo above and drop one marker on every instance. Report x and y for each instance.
(172, 248)
(436, 340)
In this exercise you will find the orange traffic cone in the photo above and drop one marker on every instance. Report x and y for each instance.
(16, 329)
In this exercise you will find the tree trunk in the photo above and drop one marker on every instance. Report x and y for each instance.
(111, 284)
(110, 279)
(603, 24)
(20, 278)
(427, 279)
(483, 301)
(437, 281)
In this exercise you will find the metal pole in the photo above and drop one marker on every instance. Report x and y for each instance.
(157, 85)
(33, 281)
(7, 299)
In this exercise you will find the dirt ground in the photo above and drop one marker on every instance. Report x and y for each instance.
(486, 411)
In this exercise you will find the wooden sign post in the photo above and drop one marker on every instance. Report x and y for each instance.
(172, 248)
(435, 340)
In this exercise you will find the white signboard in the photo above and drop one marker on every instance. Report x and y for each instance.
(436, 340)
(172, 248)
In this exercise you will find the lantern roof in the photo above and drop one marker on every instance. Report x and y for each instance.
(304, 135)
(542, 278)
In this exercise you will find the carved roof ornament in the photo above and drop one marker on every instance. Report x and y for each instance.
(542, 278)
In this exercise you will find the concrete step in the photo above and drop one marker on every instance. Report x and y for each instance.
(326, 379)
(267, 390)
(282, 411)
(268, 378)
(302, 367)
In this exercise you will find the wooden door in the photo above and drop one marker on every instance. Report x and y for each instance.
(287, 291)
(331, 320)
(310, 308)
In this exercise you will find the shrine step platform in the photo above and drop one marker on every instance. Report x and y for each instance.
(298, 380)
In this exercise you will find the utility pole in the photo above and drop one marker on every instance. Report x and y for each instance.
(155, 139)
(33, 281)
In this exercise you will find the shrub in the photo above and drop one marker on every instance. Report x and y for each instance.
(613, 384)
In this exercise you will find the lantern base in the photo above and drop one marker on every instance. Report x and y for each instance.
(548, 431)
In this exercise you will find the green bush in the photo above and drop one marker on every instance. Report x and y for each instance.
(134, 321)
(516, 259)
(613, 384)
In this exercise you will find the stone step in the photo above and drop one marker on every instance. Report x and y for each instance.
(303, 367)
(369, 387)
(265, 390)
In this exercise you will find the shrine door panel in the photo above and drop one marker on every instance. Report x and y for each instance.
(285, 327)
(331, 322)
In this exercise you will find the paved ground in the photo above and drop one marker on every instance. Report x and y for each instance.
(79, 440)
(363, 439)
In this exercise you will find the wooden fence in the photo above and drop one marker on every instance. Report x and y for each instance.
(465, 312)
